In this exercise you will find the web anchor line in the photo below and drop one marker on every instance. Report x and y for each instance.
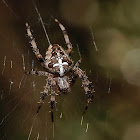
(42, 23)
(93, 39)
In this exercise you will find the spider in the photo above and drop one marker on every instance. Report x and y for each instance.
(60, 71)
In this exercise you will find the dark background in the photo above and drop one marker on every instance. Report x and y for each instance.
(114, 69)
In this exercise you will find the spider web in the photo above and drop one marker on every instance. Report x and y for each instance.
(19, 93)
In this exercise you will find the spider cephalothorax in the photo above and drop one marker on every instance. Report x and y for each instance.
(59, 70)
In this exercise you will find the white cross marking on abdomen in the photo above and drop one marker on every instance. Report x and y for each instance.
(60, 65)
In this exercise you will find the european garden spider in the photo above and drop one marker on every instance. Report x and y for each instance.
(59, 70)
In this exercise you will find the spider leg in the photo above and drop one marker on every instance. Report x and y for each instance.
(66, 37)
(73, 78)
(52, 100)
(52, 105)
(77, 64)
(73, 73)
(40, 73)
(48, 53)
(34, 45)
(44, 94)
(86, 84)
(36, 50)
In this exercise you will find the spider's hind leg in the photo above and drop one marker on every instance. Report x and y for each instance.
(52, 105)
(52, 100)
(66, 37)
(86, 84)
(41, 100)
(44, 94)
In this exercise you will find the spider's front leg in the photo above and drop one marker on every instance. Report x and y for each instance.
(86, 84)
(68, 43)
(34, 45)
(36, 50)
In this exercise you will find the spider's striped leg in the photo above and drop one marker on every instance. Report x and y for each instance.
(68, 43)
(40, 73)
(41, 100)
(34, 45)
(52, 105)
(73, 78)
(44, 94)
(86, 84)
(73, 73)
(52, 100)
(48, 53)
(77, 64)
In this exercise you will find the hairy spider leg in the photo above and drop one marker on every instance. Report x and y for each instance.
(52, 105)
(66, 37)
(52, 100)
(35, 72)
(36, 50)
(48, 53)
(86, 84)
(73, 77)
(34, 45)
(44, 94)
(73, 73)
(77, 64)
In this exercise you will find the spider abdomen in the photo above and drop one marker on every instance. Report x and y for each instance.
(63, 83)
(58, 60)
